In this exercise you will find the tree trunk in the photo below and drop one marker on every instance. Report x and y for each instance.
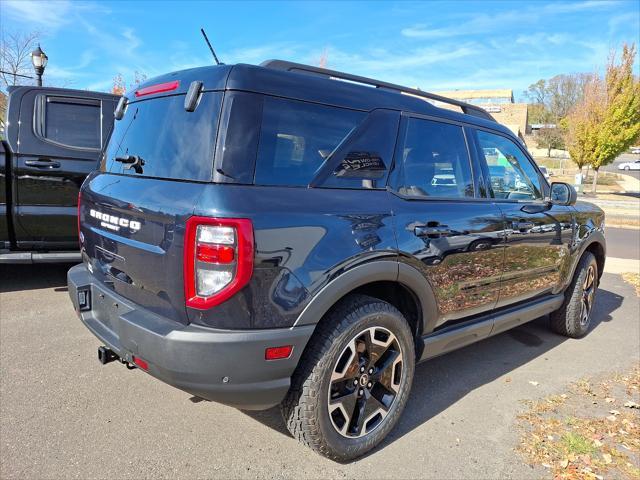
(594, 185)
(549, 151)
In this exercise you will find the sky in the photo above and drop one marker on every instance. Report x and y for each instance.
(431, 45)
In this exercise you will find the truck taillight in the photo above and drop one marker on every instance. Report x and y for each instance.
(79, 232)
(218, 259)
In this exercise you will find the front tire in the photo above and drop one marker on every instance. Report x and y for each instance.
(353, 381)
(573, 318)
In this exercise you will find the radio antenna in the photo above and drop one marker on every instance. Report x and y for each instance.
(206, 39)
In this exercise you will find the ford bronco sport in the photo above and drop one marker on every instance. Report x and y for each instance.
(264, 235)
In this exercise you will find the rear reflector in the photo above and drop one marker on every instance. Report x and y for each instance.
(141, 363)
(278, 353)
(158, 88)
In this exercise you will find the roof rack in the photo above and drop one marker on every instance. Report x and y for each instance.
(299, 67)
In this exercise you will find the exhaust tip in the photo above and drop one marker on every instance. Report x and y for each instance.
(106, 355)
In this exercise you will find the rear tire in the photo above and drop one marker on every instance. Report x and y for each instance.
(353, 381)
(573, 318)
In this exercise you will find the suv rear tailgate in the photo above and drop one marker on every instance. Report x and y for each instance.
(133, 236)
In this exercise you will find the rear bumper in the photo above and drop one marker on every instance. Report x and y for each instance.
(192, 358)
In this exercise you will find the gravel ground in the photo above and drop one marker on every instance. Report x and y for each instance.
(63, 415)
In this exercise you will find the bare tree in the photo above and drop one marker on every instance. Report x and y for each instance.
(15, 57)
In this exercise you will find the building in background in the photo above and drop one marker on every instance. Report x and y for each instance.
(500, 104)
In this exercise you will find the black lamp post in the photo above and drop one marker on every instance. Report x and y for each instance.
(39, 60)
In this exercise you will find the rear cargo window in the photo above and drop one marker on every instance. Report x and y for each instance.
(297, 137)
(172, 142)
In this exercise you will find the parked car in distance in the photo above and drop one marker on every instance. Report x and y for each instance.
(54, 137)
(272, 235)
(635, 165)
(635, 150)
(545, 172)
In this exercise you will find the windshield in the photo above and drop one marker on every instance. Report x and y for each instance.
(159, 138)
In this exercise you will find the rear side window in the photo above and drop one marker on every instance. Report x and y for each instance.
(72, 122)
(297, 137)
(435, 160)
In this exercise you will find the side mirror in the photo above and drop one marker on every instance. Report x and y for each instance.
(563, 194)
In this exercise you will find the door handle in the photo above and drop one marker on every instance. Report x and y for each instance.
(42, 163)
(423, 231)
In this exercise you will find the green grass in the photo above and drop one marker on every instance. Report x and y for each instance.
(577, 444)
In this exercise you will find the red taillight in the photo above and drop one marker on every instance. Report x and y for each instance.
(141, 363)
(278, 353)
(218, 259)
(79, 233)
(158, 88)
(214, 253)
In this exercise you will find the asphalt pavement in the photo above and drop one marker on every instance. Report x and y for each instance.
(63, 415)
(623, 243)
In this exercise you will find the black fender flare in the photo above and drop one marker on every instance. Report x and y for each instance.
(376, 271)
(594, 236)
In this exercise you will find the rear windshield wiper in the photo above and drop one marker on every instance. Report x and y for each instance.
(132, 161)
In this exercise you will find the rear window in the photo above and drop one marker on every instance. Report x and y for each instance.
(297, 137)
(172, 142)
(72, 122)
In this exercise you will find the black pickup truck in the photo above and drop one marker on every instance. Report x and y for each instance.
(53, 140)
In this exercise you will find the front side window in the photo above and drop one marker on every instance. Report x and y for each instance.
(297, 137)
(434, 161)
(512, 175)
(73, 123)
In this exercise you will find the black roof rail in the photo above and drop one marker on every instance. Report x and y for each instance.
(466, 108)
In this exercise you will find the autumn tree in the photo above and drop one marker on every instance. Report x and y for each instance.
(15, 57)
(550, 102)
(582, 123)
(120, 85)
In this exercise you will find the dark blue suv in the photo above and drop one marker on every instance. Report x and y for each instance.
(284, 234)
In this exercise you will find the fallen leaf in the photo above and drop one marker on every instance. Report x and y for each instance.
(607, 458)
(564, 395)
(507, 380)
(534, 383)
(564, 463)
(597, 443)
(550, 437)
(631, 404)
(609, 400)
(611, 418)
(614, 412)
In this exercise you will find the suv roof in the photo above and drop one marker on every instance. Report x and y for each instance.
(330, 87)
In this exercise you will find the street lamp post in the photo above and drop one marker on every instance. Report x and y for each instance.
(39, 61)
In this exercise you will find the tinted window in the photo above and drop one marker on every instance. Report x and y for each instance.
(73, 124)
(297, 137)
(512, 174)
(172, 142)
(365, 158)
(435, 161)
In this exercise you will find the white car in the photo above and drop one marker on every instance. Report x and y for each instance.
(629, 165)
(635, 149)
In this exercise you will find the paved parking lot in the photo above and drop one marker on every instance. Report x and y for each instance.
(63, 415)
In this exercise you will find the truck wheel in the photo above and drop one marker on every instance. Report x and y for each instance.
(572, 319)
(353, 381)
